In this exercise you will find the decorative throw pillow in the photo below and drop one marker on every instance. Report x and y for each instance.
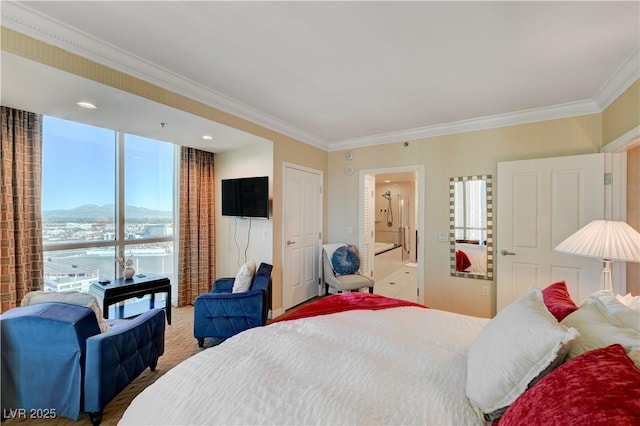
(598, 329)
(244, 277)
(518, 346)
(558, 300)
(70, 297)
(600, 387)
(345, 260)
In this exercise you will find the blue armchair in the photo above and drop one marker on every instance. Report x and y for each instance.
(221, 313)
(56, 360)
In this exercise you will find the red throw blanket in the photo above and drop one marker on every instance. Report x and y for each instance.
(346, 302)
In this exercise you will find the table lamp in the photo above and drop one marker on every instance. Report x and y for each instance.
(607, 240)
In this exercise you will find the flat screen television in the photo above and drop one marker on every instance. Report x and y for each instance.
(246, 197)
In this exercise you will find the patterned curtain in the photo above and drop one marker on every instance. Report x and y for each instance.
(196, 258)
(21, 267)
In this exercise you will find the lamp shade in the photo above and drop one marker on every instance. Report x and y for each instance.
(604, 239)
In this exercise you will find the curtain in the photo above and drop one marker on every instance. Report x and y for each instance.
(196, 258)
(21, 266)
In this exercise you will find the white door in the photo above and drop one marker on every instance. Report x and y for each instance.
(302, 219)
(539, 204)
(368, 211)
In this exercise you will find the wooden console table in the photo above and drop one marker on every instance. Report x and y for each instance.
(122, 289)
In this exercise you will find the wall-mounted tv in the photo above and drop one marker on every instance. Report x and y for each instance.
(246, 197)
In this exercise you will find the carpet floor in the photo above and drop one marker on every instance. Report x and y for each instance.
(179, 345)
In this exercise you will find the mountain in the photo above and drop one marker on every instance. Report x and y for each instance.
(93, 213)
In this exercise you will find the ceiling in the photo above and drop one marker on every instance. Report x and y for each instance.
(334, 74)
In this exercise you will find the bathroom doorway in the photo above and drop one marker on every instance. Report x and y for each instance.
(391, 210)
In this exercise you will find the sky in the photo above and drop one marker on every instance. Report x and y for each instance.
(79, 167)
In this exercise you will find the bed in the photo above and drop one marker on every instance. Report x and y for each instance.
(475, 254)
(360, 359)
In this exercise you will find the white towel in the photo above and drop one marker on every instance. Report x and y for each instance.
(405, 238)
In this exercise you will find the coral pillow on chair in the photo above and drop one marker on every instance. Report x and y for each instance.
(558, 301)
(599, 387)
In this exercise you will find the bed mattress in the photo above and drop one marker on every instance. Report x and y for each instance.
(404, 365)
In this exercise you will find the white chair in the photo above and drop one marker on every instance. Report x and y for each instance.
(342, 282)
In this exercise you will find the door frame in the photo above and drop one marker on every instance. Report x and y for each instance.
(320, 174)
(420, 219)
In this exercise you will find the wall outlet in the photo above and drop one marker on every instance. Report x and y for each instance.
(443, 236)
(349, 230)
(485, 290)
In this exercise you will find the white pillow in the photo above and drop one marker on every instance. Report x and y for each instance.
(598, 328)
(70, 297)
(631, 301)
(520, 344)
(244, 277)
(627, 316)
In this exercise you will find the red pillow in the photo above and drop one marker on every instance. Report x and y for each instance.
(599, 387)
(558, 301)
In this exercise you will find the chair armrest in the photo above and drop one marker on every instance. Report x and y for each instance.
(223, 285)
(228, 313)
(115, 358)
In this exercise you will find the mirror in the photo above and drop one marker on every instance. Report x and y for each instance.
(471, 226)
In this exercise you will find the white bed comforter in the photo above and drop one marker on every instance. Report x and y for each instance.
(393, 366)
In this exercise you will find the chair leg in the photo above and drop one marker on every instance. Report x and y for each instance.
(371, 290)
(95, 418)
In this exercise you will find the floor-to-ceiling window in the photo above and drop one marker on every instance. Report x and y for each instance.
(104, 194)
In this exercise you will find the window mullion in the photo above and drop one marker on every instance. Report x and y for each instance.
(120, 207)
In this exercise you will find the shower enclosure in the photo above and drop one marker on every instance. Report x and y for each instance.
(392, 224)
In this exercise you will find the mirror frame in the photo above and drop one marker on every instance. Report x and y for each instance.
(452, 235)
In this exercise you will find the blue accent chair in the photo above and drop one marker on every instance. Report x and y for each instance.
(56, 360)
(222, 314)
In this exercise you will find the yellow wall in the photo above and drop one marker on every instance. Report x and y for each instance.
(443, 157)
(622, 115)
(617, 119)
(285, 149)
(633, 212)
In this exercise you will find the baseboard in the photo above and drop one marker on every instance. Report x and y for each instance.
(275, 313)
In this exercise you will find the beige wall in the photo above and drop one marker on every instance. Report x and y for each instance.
(633, 212)
(443, 157)
(242, 239)
(454, 155)
(617, 119)
(285, 149)
(622, 115)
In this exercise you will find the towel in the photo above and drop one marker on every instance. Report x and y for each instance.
(405, 238)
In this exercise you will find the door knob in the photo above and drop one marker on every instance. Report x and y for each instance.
(507, 253)
(290, 242)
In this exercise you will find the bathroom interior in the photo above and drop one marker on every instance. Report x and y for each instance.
(395, 235)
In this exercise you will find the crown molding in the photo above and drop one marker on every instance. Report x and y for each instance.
(21, 18)
(626, 74)
(555, 112)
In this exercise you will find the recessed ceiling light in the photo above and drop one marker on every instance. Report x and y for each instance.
(207, 137)
(86, 105)
(387, 181)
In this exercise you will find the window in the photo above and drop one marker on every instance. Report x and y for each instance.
(104, 193)
(470, 210)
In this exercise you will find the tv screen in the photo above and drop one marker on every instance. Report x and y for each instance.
(246, 197)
